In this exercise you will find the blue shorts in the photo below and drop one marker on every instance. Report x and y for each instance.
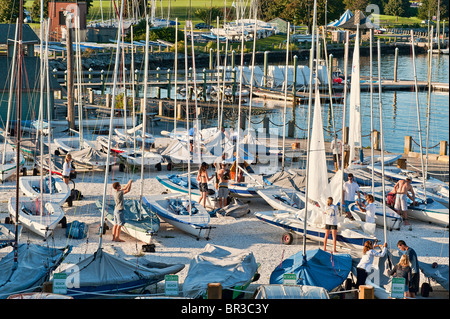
(119, 219)
(347, 204)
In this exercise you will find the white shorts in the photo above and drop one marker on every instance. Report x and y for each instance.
(400, 202)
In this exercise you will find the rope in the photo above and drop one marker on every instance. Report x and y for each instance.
(425, 147)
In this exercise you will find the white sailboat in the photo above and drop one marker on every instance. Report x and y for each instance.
(103, 273)
(180, 210)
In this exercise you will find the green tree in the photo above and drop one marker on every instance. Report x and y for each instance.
(36, 8)
(209, 15)
(9, 11)
(354, 5)
(430, 6)
(398, 8)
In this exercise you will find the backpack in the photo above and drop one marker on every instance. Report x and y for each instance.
(76, 194)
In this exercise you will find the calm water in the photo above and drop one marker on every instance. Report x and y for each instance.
(398, 108)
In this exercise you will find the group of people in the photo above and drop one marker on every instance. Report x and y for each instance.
(349, 193)
(222, 176)
(407, 267)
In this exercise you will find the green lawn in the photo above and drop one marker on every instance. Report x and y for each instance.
(181, 9)
(392, 20)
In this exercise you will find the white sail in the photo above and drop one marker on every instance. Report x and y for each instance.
(354, 135)
(318, 165)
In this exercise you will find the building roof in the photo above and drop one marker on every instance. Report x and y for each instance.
(8, 33)
(31, 79)
(364, 22)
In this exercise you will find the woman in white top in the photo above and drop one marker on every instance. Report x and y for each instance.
(369, 209)
(365, 264)
(67, 169)
(330, 223)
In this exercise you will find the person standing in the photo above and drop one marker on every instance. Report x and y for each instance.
(350, 190)
(119, 210)
(336, 148)
(203, 179)
(223, 185)
(402, 190)
(403, 270)
(218, 166)
(365, 264)
(415, 270)
(67, 168)
(368, 208)
(331, 222)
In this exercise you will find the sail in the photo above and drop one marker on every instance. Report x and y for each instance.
(317, 171)
(354, 135)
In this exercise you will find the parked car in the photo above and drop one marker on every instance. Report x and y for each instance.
(203, 26)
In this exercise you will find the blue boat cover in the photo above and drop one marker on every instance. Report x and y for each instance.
(319, 268)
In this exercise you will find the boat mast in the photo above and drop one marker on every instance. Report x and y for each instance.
(253, 67)
(311, 65)
(371, 113)
(238, 126)
(344, 113)
(11, 85)
(418, 114)
(381, 138)
(430, 57)
(18, 130)
(285, 97)
(175, 106)
(144, 111)
(187, 116)
(116, 68)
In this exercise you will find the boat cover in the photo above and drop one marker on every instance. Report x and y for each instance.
(319, 268)
(133, 216)
(35, 264)
(290, 292)
(105, 272)
(7, 234)
(89, 155)
(235, 209)
(228, 266)
(439, 273)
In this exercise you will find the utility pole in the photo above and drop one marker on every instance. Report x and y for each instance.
(70, 68)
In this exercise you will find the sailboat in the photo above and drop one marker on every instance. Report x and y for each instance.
(356, 158)
(315, 263)
(103, 273)
(180, 210)
(28, 265)
(309, 222)
(46, 188)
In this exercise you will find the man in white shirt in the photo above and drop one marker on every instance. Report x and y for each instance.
(368, 208)
(336, 148)
(350, 189)
(330, 223)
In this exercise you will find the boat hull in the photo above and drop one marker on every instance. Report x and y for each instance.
(288, 221)
(195, 225)
(40, 225)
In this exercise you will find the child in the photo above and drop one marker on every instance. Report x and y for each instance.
(67, 168)
(403, 270)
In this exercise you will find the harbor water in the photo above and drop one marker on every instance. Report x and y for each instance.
(398, 107)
